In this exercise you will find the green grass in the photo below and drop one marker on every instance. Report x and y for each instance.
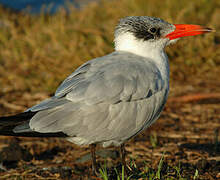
(37, 53)
(172, 173)
(154, 140)
(120, 176)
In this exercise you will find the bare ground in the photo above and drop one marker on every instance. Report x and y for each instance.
(187, 133)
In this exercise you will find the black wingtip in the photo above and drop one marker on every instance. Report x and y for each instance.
(8, 126)
(16, 119)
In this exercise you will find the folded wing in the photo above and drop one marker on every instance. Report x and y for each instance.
(107, 98)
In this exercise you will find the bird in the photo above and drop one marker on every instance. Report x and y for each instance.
(110, 99)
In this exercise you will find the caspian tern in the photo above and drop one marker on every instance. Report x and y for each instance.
(109, 99)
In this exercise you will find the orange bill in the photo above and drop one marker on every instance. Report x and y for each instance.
(187, 30)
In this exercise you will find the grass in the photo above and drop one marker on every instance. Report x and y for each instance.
(196, 175)
(120, 176)
(158, 173)
(148, 173)
(154, 140)
(38, 52)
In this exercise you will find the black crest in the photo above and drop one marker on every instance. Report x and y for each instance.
(143, 27)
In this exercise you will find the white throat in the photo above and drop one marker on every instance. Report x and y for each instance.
(152, 50)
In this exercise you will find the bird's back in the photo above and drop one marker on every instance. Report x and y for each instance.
(107, 100)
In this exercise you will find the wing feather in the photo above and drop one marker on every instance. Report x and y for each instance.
(107, 99)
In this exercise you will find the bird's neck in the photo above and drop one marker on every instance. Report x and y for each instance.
(153, 51)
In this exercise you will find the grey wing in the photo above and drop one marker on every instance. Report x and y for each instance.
(116, 77)
(103, 100)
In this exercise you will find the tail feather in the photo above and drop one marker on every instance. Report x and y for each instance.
(9, 126)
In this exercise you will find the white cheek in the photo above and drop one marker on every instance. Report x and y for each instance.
(173, 41)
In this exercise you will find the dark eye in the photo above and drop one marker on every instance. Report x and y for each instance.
(153, 30)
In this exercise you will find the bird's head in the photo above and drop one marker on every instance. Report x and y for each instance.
(143, 33)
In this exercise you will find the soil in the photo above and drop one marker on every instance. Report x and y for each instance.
(186, 135)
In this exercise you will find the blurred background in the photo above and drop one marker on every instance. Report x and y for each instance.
(43, 6)
(43, 41)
